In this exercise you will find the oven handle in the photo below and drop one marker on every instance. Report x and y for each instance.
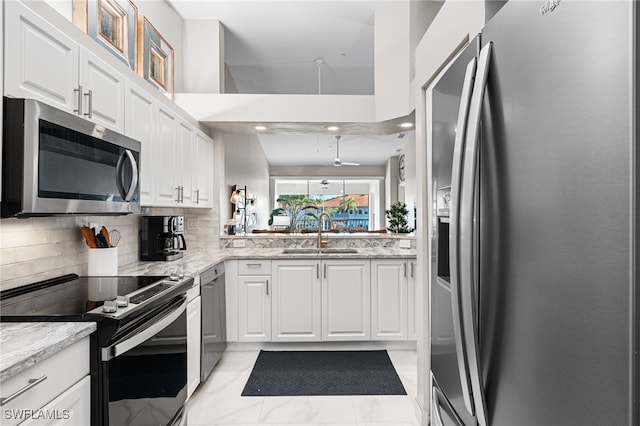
(122, 347)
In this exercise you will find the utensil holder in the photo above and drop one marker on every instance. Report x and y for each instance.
(102, 261)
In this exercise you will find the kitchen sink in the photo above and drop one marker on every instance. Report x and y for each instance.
(319, 251)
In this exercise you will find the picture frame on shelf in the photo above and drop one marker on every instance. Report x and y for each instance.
(112, 24)
(155, 57)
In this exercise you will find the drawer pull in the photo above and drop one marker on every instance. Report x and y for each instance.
(254, 265)
(31, 383)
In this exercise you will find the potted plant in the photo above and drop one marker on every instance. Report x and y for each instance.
(397, 216)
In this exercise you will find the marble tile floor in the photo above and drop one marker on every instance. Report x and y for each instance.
(218, 401)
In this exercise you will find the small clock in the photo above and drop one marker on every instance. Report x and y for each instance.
(401, 168)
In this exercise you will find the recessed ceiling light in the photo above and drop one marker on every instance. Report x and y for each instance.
(333, 128)
(405, 125)
(260, 127)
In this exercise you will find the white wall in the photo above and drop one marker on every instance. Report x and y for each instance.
(392, 43)
(203, 45)
(246, 165)
(391, 182)
(171, 26)
(409, 184)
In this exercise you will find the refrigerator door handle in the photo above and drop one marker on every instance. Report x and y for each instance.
(436, 416)
(468, 276)
(458, 152)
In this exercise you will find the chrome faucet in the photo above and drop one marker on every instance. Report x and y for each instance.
(322, 242)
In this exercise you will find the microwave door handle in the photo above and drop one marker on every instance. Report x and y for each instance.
(127, 195)
(458, 152)
(468, 276)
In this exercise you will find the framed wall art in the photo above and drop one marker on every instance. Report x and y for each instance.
(112, 23)
(155, 57)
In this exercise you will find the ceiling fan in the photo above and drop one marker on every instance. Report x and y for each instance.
(337, 162)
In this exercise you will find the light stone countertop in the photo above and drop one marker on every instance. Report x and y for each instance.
(24, 344)
(193, 263)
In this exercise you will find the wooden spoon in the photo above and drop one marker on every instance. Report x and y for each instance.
(89, 237)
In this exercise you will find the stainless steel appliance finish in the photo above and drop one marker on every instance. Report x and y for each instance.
(162, 238)
(534, 292)
(59, 163)
(214, 323)
(138, 353)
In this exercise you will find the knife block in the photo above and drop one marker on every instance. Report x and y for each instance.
(102, 261)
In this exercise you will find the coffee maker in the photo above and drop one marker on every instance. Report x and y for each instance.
(162, 238)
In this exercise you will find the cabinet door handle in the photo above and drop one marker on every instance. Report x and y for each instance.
(267, 287)
(90, 111)
(78, 111)
(197, 196)
(412, 269)
(405, 269)
(317, 270)
(178, 189)
(324, 272)
(31, 383)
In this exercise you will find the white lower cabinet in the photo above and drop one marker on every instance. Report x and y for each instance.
(296, 301)
(412, 329)
(58, 383)
(72, 407)
(320, 299)
(193, 343)
(346, 299)
(254, 308)
(389, 299)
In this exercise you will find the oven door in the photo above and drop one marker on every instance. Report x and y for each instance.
(145, 372)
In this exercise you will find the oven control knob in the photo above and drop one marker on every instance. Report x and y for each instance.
(122, 301)
(109, 306)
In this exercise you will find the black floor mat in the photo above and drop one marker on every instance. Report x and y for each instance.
(297, 373)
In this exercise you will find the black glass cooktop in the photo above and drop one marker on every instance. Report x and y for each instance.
(69, 295)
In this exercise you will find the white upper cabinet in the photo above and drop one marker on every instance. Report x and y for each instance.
(185, 163)
(48, 65)
(164, 155)
(103, 92)
(42, 62)
(203, 178)
(139, 124)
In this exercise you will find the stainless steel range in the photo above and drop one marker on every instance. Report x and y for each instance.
(139, 351)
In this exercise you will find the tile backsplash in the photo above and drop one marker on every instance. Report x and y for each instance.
(35, 249)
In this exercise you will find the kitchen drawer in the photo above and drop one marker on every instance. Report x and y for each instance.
(73, 407)
(61, 370)
(254, 267)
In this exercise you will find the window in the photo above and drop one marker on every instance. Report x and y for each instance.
(351, 203)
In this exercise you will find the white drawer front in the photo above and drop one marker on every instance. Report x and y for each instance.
(62, 370)
(254, 267)
(73, 407)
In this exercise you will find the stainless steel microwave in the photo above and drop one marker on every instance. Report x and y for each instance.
(54, 163)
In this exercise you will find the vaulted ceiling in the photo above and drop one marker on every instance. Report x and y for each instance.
(302, 47)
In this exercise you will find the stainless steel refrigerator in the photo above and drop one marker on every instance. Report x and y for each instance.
(534, 296)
